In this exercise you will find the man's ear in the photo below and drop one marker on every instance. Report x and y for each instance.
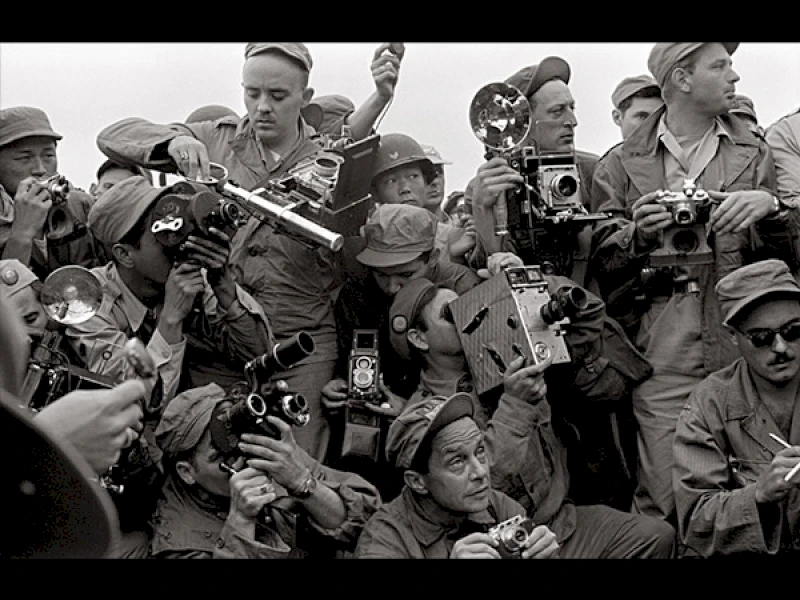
(185, 471)
(616, 116)
(680, 78)
(93, 189)
(122, 255)
(415, 482)
(308, 94)
(418, 339)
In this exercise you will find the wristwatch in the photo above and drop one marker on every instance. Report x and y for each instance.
(306, 488)
(785, 203)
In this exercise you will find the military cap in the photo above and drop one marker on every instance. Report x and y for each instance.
(630, 86)
(120, 207)
(396, 234)
(405, 309)
(294, 50)
(433, 155)
(752, 283)
(323, 111)
(186, 418)
(529, 79)
(18, 122)
(14, 276)
(417, 426)
(210, 112)
(665, 55)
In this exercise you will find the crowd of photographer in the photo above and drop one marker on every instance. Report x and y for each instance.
(303, 348)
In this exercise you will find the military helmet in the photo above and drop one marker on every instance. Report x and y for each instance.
(398, 149)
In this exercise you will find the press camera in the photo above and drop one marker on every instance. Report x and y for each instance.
(514, 314)
(511, 536)
(364, 430)
(247, 405)
(685, 241)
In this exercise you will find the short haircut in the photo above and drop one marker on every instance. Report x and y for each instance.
(648, 92)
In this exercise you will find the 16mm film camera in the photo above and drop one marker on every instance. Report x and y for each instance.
(685, 241)
(514, 314)
(247, 406)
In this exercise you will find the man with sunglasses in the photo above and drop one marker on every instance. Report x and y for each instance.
(738, 437)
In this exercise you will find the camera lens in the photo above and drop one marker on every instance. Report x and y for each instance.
(684, 215)
(362, 378)
(564, 186)
(256, 405)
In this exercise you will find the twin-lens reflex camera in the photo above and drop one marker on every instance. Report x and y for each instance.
(515, 313)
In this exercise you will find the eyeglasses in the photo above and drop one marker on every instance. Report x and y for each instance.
(764, 338)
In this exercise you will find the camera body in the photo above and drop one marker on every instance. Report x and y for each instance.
(190, 208)
(332, 188)
(684, 242)
(249, 403)
(514, 314)
(61, 226)
(511, 536)
(552, 182)
(364, 367)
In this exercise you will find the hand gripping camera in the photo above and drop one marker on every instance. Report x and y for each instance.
(247, 406)
(511, 536)
(61, 226)
(685, 241)
(189, 208)
(364, 431)
(514, 314)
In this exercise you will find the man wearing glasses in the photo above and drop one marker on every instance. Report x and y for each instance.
(738, 437)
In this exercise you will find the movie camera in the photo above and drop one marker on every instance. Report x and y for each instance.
(685, 241)
(320, 201)
(247, 405)
(511, 536)
(60, 225)
(514, 314)
(550, 195)
(71, 295)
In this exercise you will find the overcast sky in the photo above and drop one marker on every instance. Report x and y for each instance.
(85, 86)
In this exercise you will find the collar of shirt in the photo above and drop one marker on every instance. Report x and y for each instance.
(272, 160)
(445, 387)
(134, 309)
(694, 163)
(430, 522)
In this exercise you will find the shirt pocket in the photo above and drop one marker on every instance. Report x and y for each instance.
(746, 471)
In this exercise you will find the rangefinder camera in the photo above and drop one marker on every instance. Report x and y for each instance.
(189, 208)
(511, 536)
(61, 226)
(684, 242)
(58, 187)
(364, 367)
(514, 314)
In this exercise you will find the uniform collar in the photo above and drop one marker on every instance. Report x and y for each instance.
(430, 522)
(133, 308)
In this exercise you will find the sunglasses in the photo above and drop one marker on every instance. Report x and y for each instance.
(764, 338)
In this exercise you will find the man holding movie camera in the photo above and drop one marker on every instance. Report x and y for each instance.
(295, 286)
(42, 216)
(692, 190)
(524, 435)
(260, 496)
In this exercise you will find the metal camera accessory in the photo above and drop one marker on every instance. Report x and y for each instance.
(549, 197)
(61, 226)
(510, 315)
(511, 536)
(70, 295)
(500, 117)
(685, 241)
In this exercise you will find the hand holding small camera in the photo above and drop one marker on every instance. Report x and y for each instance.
(650, 218)
(334, 395)
(32, 203)
(739, 210)
(475, 545)
(251, 490)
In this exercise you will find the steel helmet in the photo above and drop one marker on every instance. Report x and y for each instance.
(398, 149)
